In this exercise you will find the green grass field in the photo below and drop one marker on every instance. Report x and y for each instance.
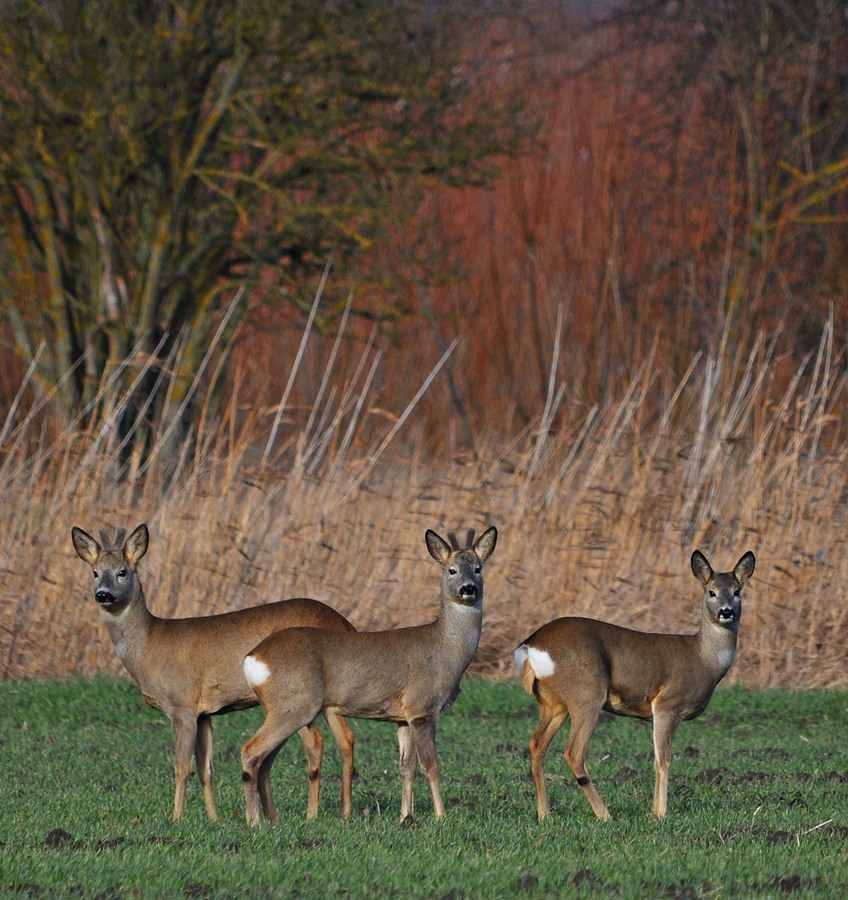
(757, 805)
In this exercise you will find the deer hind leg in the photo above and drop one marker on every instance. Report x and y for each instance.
(203, 758)
(424, 736)
(272, 734)
(408, 765)
(263, 779)
(665, 725)
(344, 738)
(551, 717)
(583, 722)
(185, 734)
(313, 743)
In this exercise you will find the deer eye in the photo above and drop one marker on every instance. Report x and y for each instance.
(95, 574)
(451, 571)
(736, 592)
(478, 570)
(122, 573)
(712, 593)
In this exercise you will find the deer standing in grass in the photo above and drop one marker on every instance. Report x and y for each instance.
(407, 675)
(191, 668)
(577, 667)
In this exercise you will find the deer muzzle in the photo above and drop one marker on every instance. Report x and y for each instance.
(104, 598)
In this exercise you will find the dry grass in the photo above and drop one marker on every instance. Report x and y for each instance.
(597, 518)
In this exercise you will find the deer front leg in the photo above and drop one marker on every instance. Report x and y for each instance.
(313, 743)
(408, 765)
(203, 758)
(424, 737)
(665, 725)
(185, 734)
(345, 739)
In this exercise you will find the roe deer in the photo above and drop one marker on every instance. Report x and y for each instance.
(407, 675)
(577, 667)
(191, 668)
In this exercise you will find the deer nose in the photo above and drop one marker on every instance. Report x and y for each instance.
(726, 614)
(468, 590)
(104, 597)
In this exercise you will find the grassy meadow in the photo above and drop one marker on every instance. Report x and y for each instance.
(756, 805)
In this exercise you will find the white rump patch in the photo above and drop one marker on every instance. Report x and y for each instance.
(540, 660)
(255, 671)
(520, 657)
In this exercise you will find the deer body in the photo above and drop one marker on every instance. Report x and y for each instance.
(576, 667)
(407, 675)
(410, 684)
(174, 659)
(191, 668)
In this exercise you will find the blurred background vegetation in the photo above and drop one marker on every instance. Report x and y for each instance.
(663, 177)
(158, 157)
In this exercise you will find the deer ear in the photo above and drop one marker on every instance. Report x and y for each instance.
(136, 545)
(88, 550)
(439, 549)
(701, 569)
(485, 544)
(745, 567)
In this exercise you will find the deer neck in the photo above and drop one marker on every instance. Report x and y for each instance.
(458, 627)
(129, 628)
(716, 646)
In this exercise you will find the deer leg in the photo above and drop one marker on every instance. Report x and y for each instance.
(408, 765)
(185, 732)
(272, 734)
(665, 725)
(313, 743)
(203, 758)
(583, 722)
(277, 728)
(264, 786)
(551, 718)
(344, 738)
(424, 737)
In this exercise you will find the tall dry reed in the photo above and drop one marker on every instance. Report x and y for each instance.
(597, 516)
